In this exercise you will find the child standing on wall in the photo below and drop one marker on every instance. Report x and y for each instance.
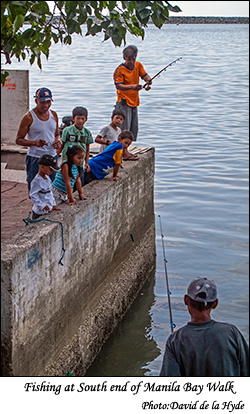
(69, 175)
(77, 134)
(41, 187)
(110, 133)
(110, 159)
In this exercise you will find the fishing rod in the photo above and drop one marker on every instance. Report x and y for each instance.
(166, 273)
(146, 85)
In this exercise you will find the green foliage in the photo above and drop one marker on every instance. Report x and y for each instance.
(28, 28)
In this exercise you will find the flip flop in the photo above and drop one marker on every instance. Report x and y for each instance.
(131, 157)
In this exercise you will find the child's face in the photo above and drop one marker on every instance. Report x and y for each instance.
(45, 169)
(78, 159)
(79, 121)
(130, 61)
(125, 142)
(117, 120)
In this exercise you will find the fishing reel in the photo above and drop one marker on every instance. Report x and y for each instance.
(147, 87)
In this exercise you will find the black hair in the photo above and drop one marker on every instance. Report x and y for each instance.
(80, 111)
(71, 152)
(130, 51)
(119, 112)
(126, 134)
(200, 306)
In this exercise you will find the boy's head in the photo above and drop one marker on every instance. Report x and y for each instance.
(79, 116)
(118, 116)
(47, 164)
(125, 138)
(201, 294)
(129, 55)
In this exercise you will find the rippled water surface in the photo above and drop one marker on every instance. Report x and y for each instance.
(196, 117)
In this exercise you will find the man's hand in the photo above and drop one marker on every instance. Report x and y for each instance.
(57, 144)
(40, 143)
(137, 87)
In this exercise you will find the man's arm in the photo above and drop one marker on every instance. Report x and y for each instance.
(122, 87)
(57, 142)
(147, 79)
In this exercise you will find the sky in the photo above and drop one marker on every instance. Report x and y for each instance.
(212, 8)
(207, 8)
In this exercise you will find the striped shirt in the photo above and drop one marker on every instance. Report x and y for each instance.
(59, 181)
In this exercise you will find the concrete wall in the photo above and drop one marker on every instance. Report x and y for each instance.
(56, 318)
(14, 103)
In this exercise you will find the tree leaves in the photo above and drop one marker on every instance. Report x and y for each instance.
(113, 18)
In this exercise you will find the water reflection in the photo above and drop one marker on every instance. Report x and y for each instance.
(131, 347)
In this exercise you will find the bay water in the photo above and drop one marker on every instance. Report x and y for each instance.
(196, 117)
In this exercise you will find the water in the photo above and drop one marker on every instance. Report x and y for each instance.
(196, 116)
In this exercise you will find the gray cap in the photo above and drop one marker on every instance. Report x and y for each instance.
(202, 290)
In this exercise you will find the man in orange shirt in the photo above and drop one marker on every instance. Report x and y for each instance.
(126, 78)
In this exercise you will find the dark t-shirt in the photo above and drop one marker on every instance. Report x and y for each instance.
(206, 349)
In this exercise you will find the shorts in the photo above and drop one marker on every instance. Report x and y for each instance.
(131, 120)
(59, 195)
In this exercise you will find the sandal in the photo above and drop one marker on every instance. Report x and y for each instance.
(131, 157)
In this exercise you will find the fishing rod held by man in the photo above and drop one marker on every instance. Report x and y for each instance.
(146, 85)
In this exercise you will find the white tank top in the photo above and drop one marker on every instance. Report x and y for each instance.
(42, 130)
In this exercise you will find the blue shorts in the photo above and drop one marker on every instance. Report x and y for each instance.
(32, 168)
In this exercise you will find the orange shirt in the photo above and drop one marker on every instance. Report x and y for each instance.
(126, 76)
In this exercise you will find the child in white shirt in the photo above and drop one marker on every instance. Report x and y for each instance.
(41, 187)
(110, 133)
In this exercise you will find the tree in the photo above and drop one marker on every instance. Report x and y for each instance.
(28, 28)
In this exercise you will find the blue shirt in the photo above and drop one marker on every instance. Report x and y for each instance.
(103, 163)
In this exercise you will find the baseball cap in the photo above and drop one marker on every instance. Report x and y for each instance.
(202, 290)
(49, 161)
(43, 94)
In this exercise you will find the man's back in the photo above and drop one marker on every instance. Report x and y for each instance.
(206, 349)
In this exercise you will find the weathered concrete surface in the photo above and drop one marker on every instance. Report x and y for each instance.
(15, 206)
(14, 103)
(56, 318)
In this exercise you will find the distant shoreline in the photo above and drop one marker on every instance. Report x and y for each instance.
(194, 20)
(207, 20)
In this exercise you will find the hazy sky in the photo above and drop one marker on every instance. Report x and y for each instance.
(206, 8)
(212, 8)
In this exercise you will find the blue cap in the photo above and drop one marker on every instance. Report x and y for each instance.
(43, 94)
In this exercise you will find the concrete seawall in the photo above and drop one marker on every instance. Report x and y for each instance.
(56, 318)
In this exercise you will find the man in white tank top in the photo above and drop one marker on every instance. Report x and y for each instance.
(40, 125)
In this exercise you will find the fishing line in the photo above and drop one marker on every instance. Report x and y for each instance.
(146, 85)
(172, 325)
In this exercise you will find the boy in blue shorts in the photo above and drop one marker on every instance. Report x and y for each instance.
(77, 134)
(110, 159)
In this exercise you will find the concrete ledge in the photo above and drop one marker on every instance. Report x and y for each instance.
(56, 318)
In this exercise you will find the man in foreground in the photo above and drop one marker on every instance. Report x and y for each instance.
(204, 347)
